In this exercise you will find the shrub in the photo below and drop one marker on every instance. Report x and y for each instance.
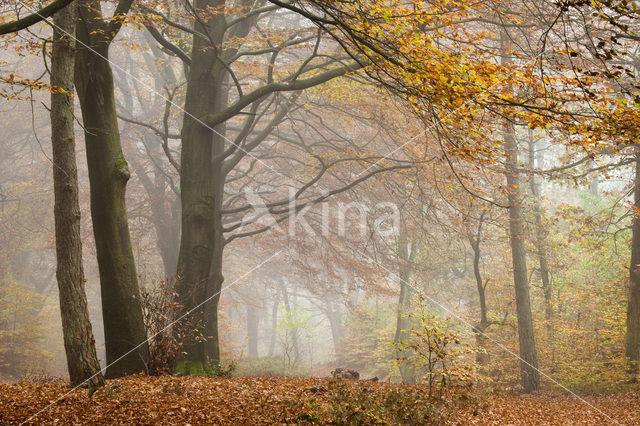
(435, 350)
(160, 310)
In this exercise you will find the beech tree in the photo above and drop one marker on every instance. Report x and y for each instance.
(108, 175)
(230, 122)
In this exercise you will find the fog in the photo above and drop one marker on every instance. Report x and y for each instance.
(345, 222)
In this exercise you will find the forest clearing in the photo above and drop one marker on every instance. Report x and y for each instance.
(320, 212)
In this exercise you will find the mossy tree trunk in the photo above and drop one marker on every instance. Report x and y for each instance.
(79, 344)
(126, 350)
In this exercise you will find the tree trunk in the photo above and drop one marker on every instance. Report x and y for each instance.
(632, 343)
(292, 319)
(541, 241)
(337, 331)
(108, 175)
(482, 358)
(526, 339)
(201, 187)
(79, 344)
(253, 322)
(214, 283)
(403, 322)
(274, 325)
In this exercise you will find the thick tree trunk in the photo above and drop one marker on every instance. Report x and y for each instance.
(201, 187)
(108, 175)
(214, 283)
(632, 343)
(79, 344)
(526, 339)
(403, 322)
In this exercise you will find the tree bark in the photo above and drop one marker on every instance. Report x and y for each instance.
(108, 175)
(632, 341)
(201, 186)
(79, 344)
(528, 357)
(526, 339)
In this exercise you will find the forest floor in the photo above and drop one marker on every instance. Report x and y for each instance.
(278, 400)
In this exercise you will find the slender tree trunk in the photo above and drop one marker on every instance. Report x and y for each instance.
(274, 325)
(541, 241)
(593, 187)
(481, 340)
(403, 322)
(253, 323)
(79, 344)
(526, 339)
(108, 175)
(294, 331)
(632, 343)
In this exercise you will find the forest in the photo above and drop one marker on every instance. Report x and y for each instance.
(320, 212)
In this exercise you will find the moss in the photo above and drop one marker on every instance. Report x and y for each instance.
(197, 368)
(122, 168)
(207, 201)
(189, 368)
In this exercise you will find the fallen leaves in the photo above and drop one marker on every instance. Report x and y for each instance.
(277, 400)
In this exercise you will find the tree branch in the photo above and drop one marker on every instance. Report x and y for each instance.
(34, 18)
